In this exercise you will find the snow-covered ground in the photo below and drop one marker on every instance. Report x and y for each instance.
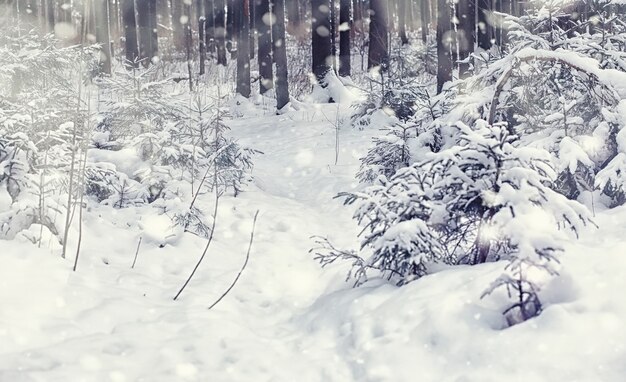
(287, 319)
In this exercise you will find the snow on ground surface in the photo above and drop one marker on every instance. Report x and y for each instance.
(287, 319)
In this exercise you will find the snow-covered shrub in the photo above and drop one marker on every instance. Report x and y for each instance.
(389, 152)
(140, 101)
(477, 199)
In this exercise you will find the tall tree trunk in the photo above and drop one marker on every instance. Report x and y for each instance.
(485, 32)
(321, 42)
(242, 26)
(294, 25)
(444, 57)
(265, 45)
(402, 16)
(252, 9)
(466, 34)
(425, 18)
(378, 54)
(230, 27)
(146, 20)
(49, 14)
(201, 34)
(220, 31)
(130, 32)
(333, 35)
(345, 27)
(209, 31)
(178, 34)
(103, 35)
(280, 54)
(187, 15)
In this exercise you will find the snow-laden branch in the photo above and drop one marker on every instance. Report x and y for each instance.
(611, 78)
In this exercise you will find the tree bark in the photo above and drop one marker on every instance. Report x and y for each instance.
(345, 27)
(444, 57)
(178, 34)
(321, 42)
(230, 26)
(242, 26)
(280, 55)
(485, 31)
(402, 16)
(378, 54)
(200, 6)
(146, 20)
(466, 34)
(425, 18)
(103, 35)
(130, 32)
(262, 23)
(220, 31)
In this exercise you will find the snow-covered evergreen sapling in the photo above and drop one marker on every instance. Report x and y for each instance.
(473, 201)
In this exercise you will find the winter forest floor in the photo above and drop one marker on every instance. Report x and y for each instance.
(287, 319)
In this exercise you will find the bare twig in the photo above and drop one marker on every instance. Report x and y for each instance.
(136, 252)
(206, 248)
(244, 264)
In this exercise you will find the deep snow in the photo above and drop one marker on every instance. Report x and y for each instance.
(287, 319)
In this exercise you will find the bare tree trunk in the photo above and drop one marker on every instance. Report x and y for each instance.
(178, 34)
(378, 54)
(444, 57)
(265, 45)
(425, 18)
(402, 16)
(466, 34)
(242, 26)
(345, 27)
(146, 20)
(201, 34)
(220, 31)
(294, 25)
(280, 54)
(230, 27)
(103, 35)
(130, 32)
(321, 43)
(485, 32)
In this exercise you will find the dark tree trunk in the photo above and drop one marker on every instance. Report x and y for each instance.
(230, 26)
(201, 12)
(425, 18)
(163, 17)
(485, 32)
(466, 34)
(378, 54)
(146, 20)
(220, 31)
(242, 26)
(209, 23)
(49, 13)
(178, 34)
(497, 27)
(444, 57)
(345, 23)
(333, 35)
(252, 9)
(402, 15)
(265, 45)
(294, 25)
(130, 32)
(187, 33)
(103, 35)
(321, 42)
(280, 55)
(114, 29)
